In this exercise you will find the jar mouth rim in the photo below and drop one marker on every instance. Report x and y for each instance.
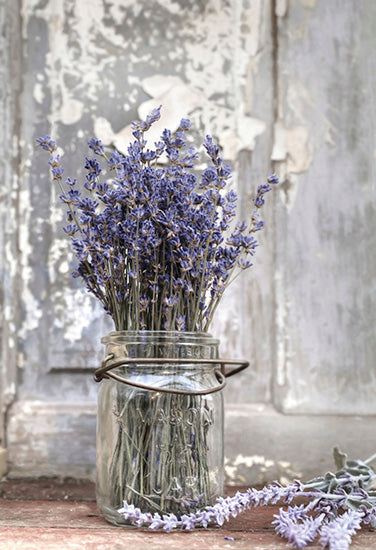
(160, 334)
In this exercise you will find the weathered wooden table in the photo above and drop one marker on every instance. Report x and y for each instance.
(65, 517)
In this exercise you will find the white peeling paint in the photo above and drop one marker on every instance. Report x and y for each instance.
(71, 111)
(20, 360)
(173, 6)
(243, 138)
(85, 64)
(292, 145)
(64, 267)
(77, 300)
(158, 85)
(120, 9)
(8, 312)
(10, 392)
(172, 93)
(308, 3)
(117, 9)
(38, 93)
(279, 152)
(281, 8)
(293, 150)
(172, 98)
(11, 260)
(179, 101)
(33, 312)
(299, 155)
(104, 131)
(58, 254)
(237, 32)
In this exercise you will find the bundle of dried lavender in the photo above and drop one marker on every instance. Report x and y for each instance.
(158, 246)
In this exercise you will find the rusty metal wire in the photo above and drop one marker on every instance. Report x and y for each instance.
(105, 371)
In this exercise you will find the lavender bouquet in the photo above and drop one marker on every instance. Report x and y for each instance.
(158, 246)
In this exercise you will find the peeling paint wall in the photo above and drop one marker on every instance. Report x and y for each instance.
(280, 87)
(91, 70)
(325, 265)
(10, 83)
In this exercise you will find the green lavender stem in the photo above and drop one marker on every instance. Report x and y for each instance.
(158, 459)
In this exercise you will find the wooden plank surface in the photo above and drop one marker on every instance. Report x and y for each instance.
(55, 525)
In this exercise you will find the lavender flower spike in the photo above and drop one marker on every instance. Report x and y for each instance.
(294, 525)
(47, 143)
(272, 178)
(337, 534)
(96, 146)
(219, 513)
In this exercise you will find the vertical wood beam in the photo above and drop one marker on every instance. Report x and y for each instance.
(10, 88)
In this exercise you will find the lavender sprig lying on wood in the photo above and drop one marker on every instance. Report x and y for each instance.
(158, 246)
(338, 504)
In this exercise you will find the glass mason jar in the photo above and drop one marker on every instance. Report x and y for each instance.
(160, 424)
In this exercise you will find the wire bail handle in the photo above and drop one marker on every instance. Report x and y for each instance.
(105, 371)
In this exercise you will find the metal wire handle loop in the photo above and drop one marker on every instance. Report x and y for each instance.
(221, 375)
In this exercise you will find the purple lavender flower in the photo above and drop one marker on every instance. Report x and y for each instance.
(188, 522)
(337, 534)
(170, 522)
(185, 124)
(56, 168)
(272, 178)
(204, 517)
(157, 245)
(369, 515)
(139, 128)
(212, 149)
(262, 189)
(46, 143)
(96, 146)
(300, 534)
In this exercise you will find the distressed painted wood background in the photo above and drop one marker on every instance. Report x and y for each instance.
(284, 85)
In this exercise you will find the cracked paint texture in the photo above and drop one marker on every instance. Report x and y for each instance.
(92, 68)
(301, 102)
(324, 142)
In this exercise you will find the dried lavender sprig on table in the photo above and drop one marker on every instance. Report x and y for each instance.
(158, 245)
(338, 505)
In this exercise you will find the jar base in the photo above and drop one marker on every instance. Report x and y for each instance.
(112, 516)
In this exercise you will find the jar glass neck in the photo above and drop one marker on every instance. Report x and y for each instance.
(160, 337)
